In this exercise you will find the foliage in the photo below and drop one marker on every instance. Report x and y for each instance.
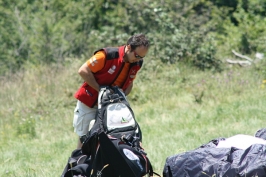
(40, 32)
(248, 35)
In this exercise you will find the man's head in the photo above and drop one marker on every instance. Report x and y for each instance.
(137, 47)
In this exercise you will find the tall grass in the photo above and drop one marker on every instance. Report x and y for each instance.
(177, 107)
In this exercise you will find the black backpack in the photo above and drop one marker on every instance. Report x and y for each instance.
(112, 147)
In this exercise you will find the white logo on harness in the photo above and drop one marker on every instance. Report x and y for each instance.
(133, 157)
(112, 69)
(130, 155)
(133, 71)
(93, 61)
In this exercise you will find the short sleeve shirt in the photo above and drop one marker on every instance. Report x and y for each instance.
(97, 61)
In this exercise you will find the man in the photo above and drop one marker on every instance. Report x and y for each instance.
(115, 66)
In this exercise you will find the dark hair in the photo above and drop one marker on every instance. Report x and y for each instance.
(138, 40)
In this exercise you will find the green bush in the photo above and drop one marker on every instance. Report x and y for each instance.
(50, 31)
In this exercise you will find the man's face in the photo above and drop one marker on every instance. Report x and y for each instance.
(137, 54)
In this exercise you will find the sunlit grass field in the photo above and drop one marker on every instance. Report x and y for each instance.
(178, 108)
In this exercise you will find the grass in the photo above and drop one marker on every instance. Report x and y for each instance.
(177, 107)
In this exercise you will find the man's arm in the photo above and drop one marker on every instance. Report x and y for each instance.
(87, 75)
(129, 88)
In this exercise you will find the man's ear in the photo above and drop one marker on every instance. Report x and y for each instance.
(129, 47)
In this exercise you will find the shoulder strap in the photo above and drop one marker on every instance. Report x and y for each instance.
(151, 172)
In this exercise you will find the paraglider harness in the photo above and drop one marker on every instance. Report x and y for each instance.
(112, 148)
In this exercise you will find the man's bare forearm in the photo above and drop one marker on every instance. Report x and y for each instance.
(88, 77)
(128, 90)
